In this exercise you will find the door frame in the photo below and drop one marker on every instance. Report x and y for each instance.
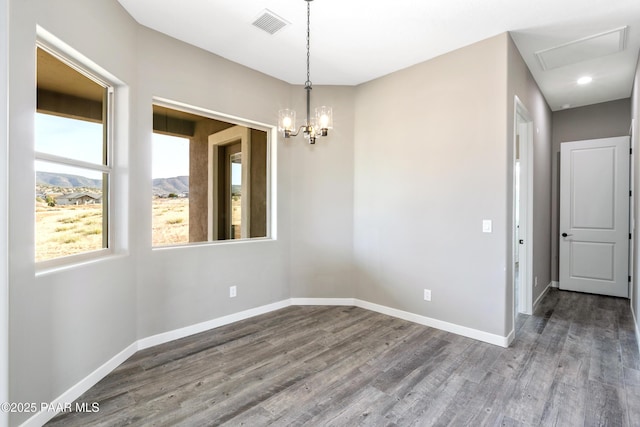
(227, 136)
(632, 210)
(522, 125)
(628, 196)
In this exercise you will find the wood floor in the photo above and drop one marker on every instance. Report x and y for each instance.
(574, 362)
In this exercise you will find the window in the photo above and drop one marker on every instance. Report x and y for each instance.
(210, 179)
(71, 159)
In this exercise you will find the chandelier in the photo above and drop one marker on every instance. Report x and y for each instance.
(316, 125)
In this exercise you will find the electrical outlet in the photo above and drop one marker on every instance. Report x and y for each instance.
(427, 295)
(232, 292)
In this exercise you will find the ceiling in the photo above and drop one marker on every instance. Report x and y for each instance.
(356, 41)
(56, 76)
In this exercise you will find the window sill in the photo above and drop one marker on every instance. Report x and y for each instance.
(214, 243)
(72, 262)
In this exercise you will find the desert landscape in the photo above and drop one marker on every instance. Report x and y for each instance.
(170, 221)
(63, 230)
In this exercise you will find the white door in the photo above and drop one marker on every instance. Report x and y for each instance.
(594, 216)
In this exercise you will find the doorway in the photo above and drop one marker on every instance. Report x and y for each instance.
(230, 190)
(522, 254)
(230, 184)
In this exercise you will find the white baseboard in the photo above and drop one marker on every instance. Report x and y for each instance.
(81, 387)
(209, 324)
(323, 301)
(542, 294)
(435, 323)
(555, 284)
(92, 379)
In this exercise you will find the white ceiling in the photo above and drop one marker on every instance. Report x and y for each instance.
(354, 41)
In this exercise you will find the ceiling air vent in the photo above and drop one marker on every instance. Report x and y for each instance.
(269, 22)
(584, 49)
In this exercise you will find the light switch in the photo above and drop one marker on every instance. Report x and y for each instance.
(486, 226)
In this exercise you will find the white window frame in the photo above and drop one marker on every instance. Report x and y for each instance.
(83, 67)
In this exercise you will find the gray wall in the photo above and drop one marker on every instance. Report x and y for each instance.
(635, 114)
(424, 184)
(66, 323)
(591, 122)
(4, 223)
(522, 85)
(321, 224)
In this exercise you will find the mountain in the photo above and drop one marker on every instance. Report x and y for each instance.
(64, 180)
(161, 186)
(177, 185)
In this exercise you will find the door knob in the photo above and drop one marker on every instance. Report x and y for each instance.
(521, 241)
(566, 235)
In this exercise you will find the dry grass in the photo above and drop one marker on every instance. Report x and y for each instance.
(170, 221)
(70, 230)
(67, 230)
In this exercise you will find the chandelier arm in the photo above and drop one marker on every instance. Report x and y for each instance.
(301, 128)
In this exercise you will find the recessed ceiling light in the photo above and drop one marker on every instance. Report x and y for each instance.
(585, 80)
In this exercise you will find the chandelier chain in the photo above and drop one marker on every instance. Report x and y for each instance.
(308, 82)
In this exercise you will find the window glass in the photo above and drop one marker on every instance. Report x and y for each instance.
(72, 138)
(170, 172)
(69, 210)
(71, 160)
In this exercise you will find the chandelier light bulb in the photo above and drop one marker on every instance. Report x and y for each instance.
(324, 117)
(286, 120)
(286, 123)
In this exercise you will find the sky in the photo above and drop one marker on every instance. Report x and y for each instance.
(170, 156)
(82, 140)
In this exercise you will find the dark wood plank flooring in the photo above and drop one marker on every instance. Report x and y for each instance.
(574, 363)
